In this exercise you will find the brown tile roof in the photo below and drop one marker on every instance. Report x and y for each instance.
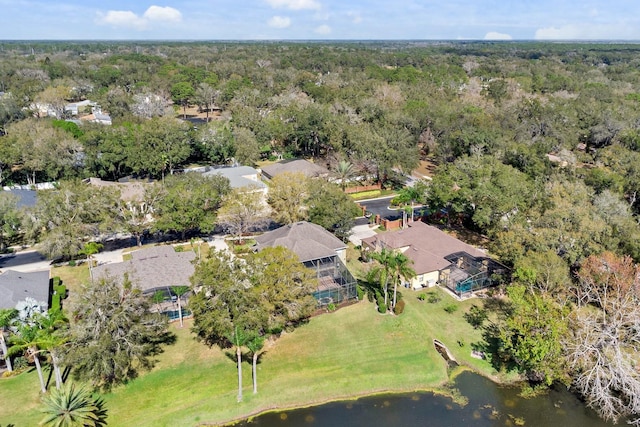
(308, 241)
(152, 268)
(425, 245)
(299, 165)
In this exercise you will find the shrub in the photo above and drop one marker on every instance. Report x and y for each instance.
(178, 248)
(399, 308)
(450, 308)
(55, 302)
(360, 292)
(72, 263)
(422, 297)
(433, 298)
(20, 363)
(382, 307)
(331, 307)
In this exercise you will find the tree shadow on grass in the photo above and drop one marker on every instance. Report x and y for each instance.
(491, 345)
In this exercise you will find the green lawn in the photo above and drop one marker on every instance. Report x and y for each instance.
(353, 351)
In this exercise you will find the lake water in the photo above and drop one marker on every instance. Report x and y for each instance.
(488, 405)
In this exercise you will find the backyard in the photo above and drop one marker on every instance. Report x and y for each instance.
(351, 352)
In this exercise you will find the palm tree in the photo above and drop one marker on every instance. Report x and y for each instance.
(52, 332)
(239, 338)
(383, 271)
(7, 317)
(90, 249)
(158, 298)
(401, 268)
(344, 170)
(255, 344)
(73, 407)
(28, 340)
(179, 291)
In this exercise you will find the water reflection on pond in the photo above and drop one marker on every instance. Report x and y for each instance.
(488, 405)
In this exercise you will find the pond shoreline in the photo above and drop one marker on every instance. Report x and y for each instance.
(439, 390)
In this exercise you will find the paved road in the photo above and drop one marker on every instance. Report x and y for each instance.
(24, 261)
(380, 206)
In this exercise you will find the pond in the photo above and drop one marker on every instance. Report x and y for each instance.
(488, 405)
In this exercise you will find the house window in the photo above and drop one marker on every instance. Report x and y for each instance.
(421, 278)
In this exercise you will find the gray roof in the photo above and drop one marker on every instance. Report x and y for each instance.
(239, 176)
(426, 246)
(15, 286)
(152, 268)
(292, 166)
(26, 198)
(308, 241)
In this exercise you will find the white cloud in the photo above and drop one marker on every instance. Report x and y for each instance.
(121, 18)
(294, 4)
(159, 13)
(588, 32)
(355, 17)
(279, 22)
(128, 19)
(323, 29)
(493, 35)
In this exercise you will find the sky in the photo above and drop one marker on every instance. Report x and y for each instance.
(320, 20)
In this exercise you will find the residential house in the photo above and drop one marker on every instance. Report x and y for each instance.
(16, 286)
(305, 167)
(239, 177)
(77, 108)
(154, 269)
(438, 258)
(130, 191)
(25, 198)
(319, 250)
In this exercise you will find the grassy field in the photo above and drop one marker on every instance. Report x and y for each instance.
(351, 352)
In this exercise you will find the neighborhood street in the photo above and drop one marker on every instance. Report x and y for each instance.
(380, 206)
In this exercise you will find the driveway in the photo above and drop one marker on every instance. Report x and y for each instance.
(360, 232)
(108, 257)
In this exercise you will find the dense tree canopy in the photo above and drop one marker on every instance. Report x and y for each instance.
(113, 334)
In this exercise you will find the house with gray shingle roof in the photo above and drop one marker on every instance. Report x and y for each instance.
(438, 258)
(154, 269)
(16, 286)
(305, 167)
(239, 177)
(319, 250)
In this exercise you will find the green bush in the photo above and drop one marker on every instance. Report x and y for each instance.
(422, 297)
(72, 263)
(433, 297)
(20, 363)
(399, 308)
(360, 292)
(382, 307)
(331, 307)
(55, 302)
(450, 308)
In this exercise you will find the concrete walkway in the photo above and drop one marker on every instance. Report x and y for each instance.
(218, 243)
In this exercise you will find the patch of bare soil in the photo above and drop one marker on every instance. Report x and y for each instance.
(425, 169)
(470, 237)
(194, 115)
